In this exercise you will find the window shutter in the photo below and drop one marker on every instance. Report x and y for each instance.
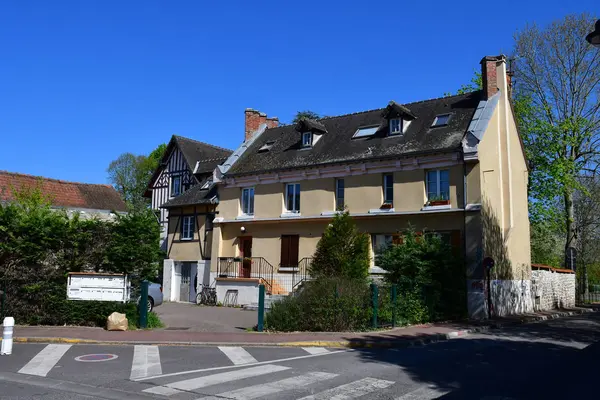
(285, 250)
(294, 245)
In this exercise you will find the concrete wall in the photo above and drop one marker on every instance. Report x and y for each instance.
(247, 291)
(552, 290)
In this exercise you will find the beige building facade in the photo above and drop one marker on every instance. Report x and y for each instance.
(454, 166)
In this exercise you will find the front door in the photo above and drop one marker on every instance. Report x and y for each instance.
(186, 280)
(246, 252)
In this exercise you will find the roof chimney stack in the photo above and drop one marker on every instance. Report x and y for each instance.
(489, 74)
(254, 119)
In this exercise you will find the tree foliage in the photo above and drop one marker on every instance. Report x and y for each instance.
(305, 114)
(39, 246)
(427, 269)
(557, 78)
(342, 251)
(130, 175)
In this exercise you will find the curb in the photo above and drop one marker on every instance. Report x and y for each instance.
(348, 344)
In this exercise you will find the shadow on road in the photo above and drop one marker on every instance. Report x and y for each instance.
(544, 360)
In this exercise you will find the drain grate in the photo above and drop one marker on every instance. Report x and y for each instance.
(176, 328)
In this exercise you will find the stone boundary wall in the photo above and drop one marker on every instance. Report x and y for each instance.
(551, 289)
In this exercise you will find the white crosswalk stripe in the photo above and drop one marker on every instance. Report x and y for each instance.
(45, 360)
(352, 390)
(146, 362)
(424, 393)
(315, 350)
(237, 355)
(216, 379)
(265, 389)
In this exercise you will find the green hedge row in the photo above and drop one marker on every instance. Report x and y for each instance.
(45, 303)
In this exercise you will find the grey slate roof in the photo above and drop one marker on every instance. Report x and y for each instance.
(338, 146)
(193, 151)
(195, 195)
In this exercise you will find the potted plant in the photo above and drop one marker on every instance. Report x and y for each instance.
(386, 206)
(437, 201)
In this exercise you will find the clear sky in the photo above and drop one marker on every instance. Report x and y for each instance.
(83, 81)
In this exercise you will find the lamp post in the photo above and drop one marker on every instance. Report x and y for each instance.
(594, 37)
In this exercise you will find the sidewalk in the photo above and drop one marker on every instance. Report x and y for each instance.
(398, 337)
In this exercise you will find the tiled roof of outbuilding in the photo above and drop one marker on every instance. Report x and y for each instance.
(338, 145)
(62, 193)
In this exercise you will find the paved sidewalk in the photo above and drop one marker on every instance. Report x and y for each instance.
(399, 337)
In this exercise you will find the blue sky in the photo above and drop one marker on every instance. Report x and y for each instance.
(84, 81)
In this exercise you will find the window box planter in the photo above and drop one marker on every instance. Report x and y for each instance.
(434, 203)
(386, 206)
(237, 259)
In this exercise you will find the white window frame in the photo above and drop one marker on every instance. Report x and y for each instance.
(340, 205)
(187, 227)
(173, 180)
(385, 200)
(437, 182)
(248, 209)
(296, 194)
(397, 131)
(309, 142)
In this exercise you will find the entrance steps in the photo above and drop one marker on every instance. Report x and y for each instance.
(269, 299)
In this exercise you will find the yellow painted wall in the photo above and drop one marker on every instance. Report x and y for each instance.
(268, 200)
(363, 192)
(266, 237)
(317, 196)
(229, 202)
(187, 250)
(409, 190)
(473, 183)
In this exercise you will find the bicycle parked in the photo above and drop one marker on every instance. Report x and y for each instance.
(207, 296)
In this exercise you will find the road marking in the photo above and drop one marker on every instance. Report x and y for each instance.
(424, 393)
(237, 355)
(45, 360)
(351, 390)
(265, 389)
(194, 371)
(315, 350)
(146, 362)
(163, 391)
(216, 379)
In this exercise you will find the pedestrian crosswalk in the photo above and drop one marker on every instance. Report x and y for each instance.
(242, 374)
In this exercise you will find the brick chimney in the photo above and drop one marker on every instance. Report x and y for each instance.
(489, 75)
(254, 119)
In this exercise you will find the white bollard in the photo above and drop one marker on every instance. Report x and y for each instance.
(7, 336)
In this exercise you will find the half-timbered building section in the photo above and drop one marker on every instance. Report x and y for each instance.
(186, 163)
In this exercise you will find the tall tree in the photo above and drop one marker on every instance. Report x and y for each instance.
(130, 175)
(557, 75)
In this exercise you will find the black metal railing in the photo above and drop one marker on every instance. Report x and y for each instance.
(246, 267)
(303, 273)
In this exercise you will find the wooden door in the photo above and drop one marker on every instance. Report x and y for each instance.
(289, 251)
(246, 252)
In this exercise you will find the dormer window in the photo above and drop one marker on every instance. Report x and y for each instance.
(307, 139)
(395, 126)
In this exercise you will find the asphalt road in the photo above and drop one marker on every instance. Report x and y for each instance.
(551, 360)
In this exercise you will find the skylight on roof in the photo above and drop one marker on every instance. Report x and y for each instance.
(441, 120)
(266, 147)
(365, 131)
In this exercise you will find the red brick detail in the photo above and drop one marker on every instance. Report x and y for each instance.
(62, 193)
(489, 75)
(254, 119)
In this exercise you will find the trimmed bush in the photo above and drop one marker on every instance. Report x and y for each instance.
(328, 304)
